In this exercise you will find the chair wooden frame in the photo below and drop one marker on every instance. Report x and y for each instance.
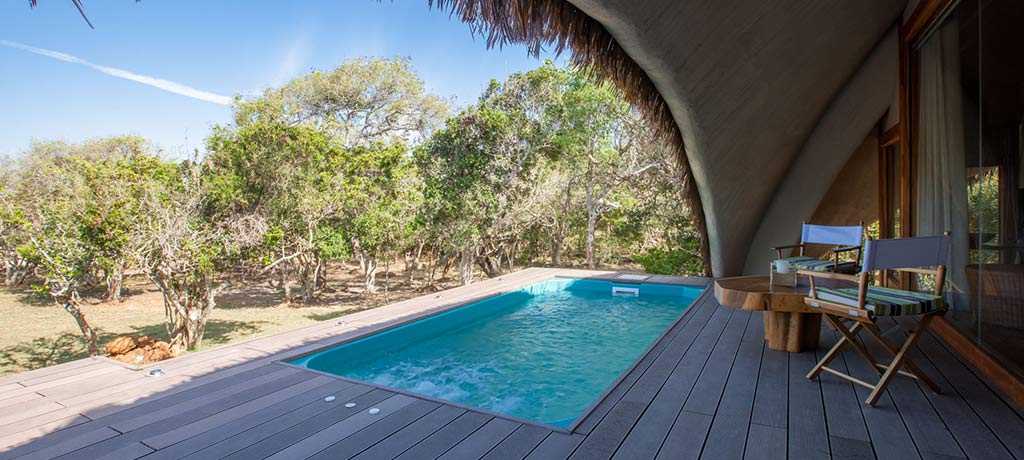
(862, 319)
(836, 251)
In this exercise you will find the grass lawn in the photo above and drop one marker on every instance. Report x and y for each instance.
(37, 333)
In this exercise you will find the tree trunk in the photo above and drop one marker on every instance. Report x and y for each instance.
(555, 245)
(591, 211)
(70, 306)
(466, 261)
(491, 265)
(591, 229)
(369, 266)
(115, 283)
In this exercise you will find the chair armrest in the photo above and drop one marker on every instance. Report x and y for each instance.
(846, 249)
(778, 249)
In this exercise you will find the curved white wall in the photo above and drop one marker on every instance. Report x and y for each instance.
(747, 82)
(850, 117)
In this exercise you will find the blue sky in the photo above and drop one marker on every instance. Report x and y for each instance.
(206, 50)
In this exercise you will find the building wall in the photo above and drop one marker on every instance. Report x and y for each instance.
(850, 117)
(748, 82)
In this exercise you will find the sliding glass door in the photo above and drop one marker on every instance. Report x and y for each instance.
(969, 108)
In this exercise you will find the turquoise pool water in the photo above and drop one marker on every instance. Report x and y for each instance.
(544, 352)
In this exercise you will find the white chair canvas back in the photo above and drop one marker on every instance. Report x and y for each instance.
(921, 251)
(845, 235)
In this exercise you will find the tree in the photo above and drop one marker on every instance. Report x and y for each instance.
(181, 252)
(74, 205)
(17, 268)
(384, 195)
(361, 102)
(290, 181)
(365, 105)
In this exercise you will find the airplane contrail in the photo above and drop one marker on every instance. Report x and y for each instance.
(166, 85)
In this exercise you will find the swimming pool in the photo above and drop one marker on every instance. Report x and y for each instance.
(543, 353)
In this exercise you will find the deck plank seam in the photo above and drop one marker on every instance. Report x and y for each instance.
(495, 446)
(640, 377)
(674, 367)
(931, 403)
(356, 454)
(919, 353)
(719, 403)
(863, 417)
(432, 433)
(977, 374)
(875, 349)
(242, 433)
(677, 328)
(753, 397)
(545, 438)
(824, 416)
(960, 395)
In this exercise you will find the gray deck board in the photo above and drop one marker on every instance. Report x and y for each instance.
(440, 441)
(708, 388)
(646, 437)
(482, 441)
(843, 406)
(403, 439)
(227, 430)
(519, 444)
(766, 442)
(376, 432)
(697, 314)
(727, 438)
(808, 435)
(271, 445)
(224, 446)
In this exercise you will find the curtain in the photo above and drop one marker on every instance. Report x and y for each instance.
(942, 162)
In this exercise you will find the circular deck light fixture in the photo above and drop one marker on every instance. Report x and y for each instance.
(329, 398)
(374, 411)
(350, 405)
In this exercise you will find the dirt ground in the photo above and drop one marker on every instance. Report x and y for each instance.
(36, 333)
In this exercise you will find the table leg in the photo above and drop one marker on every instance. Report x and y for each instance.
(792, 332)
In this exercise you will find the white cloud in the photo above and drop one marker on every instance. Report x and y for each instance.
(166, 85)
(293, 59)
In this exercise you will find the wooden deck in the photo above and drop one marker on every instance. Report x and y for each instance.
(708, 389)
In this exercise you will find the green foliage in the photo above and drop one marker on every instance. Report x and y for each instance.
(362, 101)
(673, 262)
(983, 202)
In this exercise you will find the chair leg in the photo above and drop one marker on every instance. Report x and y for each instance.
(901, 358)
(848, 336)
(891, 347)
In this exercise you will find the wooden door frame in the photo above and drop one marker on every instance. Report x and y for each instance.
(924, 17)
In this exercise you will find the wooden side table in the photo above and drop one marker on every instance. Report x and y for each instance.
(789, 324)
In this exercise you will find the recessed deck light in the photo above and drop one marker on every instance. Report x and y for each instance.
(155, 373)
(329, 398)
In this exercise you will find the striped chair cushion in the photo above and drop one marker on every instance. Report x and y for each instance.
(885, 301)
(818, 265)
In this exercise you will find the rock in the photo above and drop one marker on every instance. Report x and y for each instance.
(122, 345)
(156, 354)
(136, 356)
(146, 341)
(161, 345)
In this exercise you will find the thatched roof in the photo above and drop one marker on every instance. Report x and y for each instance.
(558, 26)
